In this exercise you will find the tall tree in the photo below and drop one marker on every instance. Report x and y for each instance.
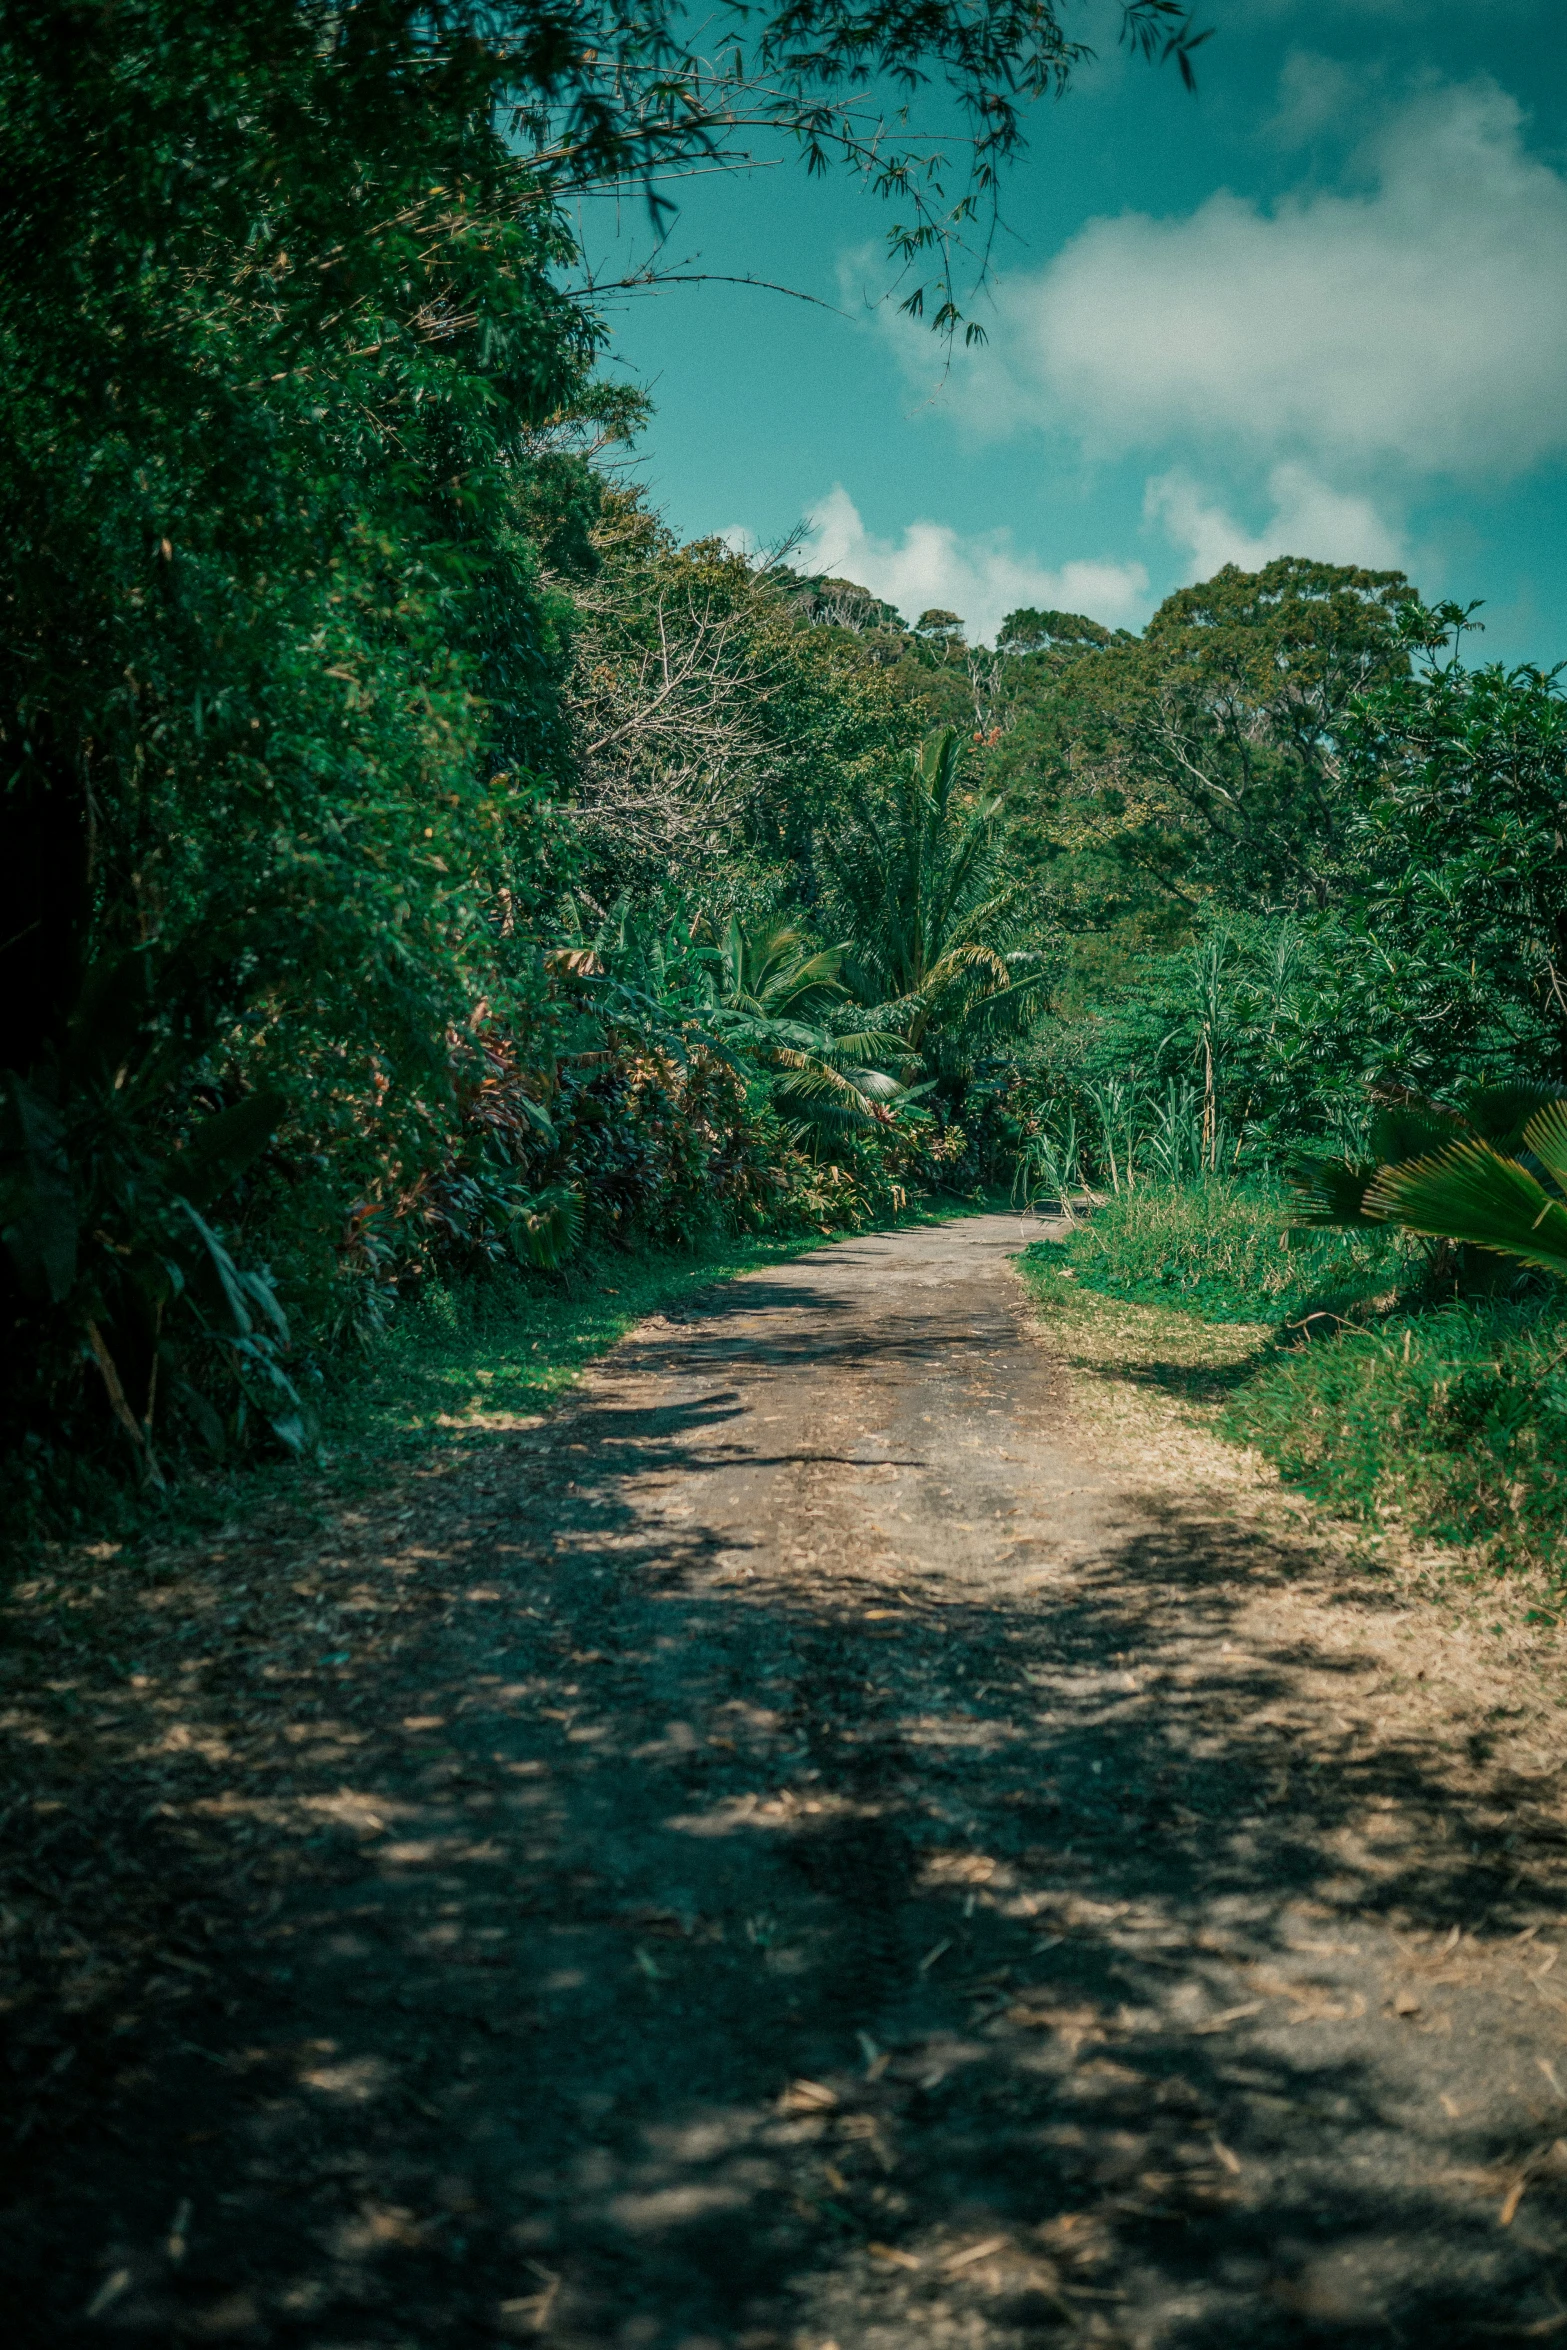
(1461, 775)
(1205, 757)
(298, 406)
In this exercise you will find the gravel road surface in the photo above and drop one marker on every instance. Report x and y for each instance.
(811, 1847)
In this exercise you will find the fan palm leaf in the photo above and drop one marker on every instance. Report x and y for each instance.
(1472, 1192)
(1471, 1175)
(1331, 1193)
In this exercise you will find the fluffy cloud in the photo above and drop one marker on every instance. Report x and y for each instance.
(1416, 317)
(981, 578)
(1308, 518)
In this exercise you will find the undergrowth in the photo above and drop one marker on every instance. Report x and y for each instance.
(1451, 1423)
(1227, 1250)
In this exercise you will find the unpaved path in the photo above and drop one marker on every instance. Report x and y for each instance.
(807, 1847)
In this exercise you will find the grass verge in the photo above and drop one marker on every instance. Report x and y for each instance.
(1228, 1251)
(1438, 1422)
(1451, 1424)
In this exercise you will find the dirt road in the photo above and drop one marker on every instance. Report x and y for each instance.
(810, 1846)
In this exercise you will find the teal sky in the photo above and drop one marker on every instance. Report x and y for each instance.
(1320, 308)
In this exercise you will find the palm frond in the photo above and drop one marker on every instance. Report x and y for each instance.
(877, 1085)
(1471, 1192)
(1546, 1136)
(856, 1044)
(1500, 1113)
(546, 1229)
(961, 961)
(815, 1084)
(1412, 1130)
(1331, 1193)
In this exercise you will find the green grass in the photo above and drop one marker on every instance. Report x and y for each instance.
(508, 1347)
(1451, 1423)
(1446, 1420)
(1226, 1251)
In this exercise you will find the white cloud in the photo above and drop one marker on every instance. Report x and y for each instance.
(1416, 317)
(1309, 518)
(981, 578)
(1318, 96)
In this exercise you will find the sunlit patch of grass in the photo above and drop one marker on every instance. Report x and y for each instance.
(509, 1347)
(1450, 1423)
(458, 1367)
(1228, 1251)
(1447, 1424)
(1126, 1342)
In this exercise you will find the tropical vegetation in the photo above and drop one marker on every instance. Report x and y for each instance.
(338, 681)
(423, 871)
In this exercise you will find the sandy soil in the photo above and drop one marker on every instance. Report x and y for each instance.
(826, 1843)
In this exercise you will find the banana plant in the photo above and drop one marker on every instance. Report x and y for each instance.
(1491, 1176)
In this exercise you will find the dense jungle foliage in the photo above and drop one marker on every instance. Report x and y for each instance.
(1305, 864)
(421, 867)
(410, 857)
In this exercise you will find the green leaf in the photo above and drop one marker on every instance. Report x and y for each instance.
(1500, 1113)
(1410, 1130)
(241, 1290)
(538, 1119)
(1472, 1193)
(1331, 1193)
(546, 1229)
(1546, 1136)
(223, 1146)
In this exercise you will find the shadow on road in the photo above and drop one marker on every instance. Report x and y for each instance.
(621, 1949)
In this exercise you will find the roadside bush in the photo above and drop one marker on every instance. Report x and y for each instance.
(1446, 1418)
